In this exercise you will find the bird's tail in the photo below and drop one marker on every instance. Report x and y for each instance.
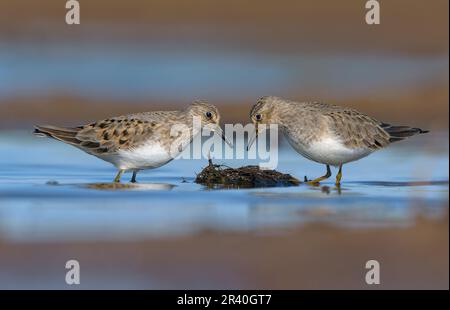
(67, 135)
(398, 133)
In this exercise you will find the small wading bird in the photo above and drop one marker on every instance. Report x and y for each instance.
(325, 133)
(139, 141)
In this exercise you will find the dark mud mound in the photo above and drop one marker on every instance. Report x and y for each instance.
(216, 176)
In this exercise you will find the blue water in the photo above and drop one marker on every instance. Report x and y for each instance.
(142, 71)
(46, 194)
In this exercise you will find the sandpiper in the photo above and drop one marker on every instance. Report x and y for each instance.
(139, 141)
(326, 133)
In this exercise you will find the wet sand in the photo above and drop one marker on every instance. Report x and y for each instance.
(316, 256)
(399, 108)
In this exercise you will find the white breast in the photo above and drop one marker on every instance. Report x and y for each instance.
(148, 156)
(330, 151)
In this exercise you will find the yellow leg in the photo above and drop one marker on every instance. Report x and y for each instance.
(119, 174)
(326, 176)
(339, 176)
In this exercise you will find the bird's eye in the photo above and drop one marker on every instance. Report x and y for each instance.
(208, 114)
(258, 117)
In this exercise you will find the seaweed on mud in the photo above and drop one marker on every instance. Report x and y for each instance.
(244, 177)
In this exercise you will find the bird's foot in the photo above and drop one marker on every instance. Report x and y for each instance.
(316, 182)
(313, 183)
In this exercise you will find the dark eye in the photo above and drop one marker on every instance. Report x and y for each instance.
(258, 117)
(208, 114)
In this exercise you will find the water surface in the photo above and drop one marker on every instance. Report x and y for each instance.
(50, 191)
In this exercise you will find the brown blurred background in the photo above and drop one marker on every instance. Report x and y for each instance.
(136, 55)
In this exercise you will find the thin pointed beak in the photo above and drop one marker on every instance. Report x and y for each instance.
(253, 138)
(222, 134)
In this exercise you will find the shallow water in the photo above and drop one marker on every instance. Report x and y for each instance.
(50, 191)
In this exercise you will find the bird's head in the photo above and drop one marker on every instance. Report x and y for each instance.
(209, 116)
(263, 112)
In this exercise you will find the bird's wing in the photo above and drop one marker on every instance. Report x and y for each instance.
(113, 134)
(123, 132)
(356, 130)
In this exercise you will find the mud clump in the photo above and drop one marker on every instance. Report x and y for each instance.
(216, 176)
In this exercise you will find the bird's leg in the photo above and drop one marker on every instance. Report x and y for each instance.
(119, 174)
(339, 176)
(326, 176)
(210, 163)
(133, 178)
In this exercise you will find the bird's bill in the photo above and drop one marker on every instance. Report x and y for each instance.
(220, 132)
(253, 138)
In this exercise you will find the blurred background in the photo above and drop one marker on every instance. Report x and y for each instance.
(142, 55)
(167, 231)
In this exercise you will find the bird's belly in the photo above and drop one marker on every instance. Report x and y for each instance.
(331, 151)
(147, 156)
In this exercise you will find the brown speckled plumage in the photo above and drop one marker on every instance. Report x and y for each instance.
(117, 133)
(127, 131)
(107, 138)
